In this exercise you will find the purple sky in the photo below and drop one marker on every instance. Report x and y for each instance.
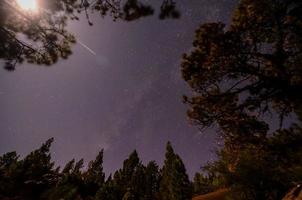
(126, 97)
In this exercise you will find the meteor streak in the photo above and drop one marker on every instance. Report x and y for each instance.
(86, 47)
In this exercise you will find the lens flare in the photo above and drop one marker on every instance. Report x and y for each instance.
(29, 5)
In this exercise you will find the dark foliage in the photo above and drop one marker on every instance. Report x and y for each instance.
(242, 73)
(261, 172)
(35, 177)
(175, 184)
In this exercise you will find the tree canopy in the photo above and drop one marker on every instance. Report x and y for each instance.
(41, 37)
(259, 172)
(243, 72)
(239, 74)
(175, 184)
(242, 75)
(35, 177)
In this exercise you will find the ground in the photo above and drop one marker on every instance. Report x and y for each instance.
(217, 195)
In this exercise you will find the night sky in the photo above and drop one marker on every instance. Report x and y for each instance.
(126, 97)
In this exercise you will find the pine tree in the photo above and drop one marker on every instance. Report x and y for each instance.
(34, 177)
(130, 165)
(138, 182)
(152, 181)
(38, 163)
(243, 71)
(203, 184)
(262, 172)
(30, 177)
(37, 172)
(129, 195)
(109, 191)
(8, 174)
(94, 177)
(132, 177)
(68, 167)
(8, 159)
(175, 184)
(71, 184)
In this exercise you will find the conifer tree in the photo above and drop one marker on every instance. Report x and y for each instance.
(36, 172)
(8, 176)
(242, 72)
(109, 191)
(38, 163)
(7, 159)
(152, 181)
(204, 183)
(68, 167)
(129, 195)
(34, 177)
(94, 177)
(30, 177)
(70, 186)
(131, 177)
(175, 184)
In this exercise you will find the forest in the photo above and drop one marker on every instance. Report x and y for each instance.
(246, 84)
(36, 177)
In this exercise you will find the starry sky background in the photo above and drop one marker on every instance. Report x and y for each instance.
(126, 97)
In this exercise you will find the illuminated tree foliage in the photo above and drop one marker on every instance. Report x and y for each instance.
(41, 37)
(242, 73)
(268, 171)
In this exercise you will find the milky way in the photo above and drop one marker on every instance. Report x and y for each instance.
(127, 96)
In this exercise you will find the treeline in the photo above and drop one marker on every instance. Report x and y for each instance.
(261, 171)
(266, 170)
(35, 177)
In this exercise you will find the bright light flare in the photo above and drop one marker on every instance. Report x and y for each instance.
(28, 5)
